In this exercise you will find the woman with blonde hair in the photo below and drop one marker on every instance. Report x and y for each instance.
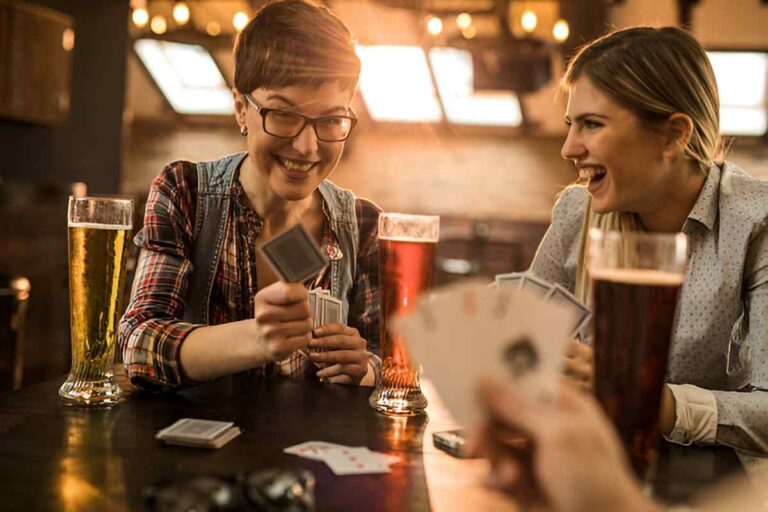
(643, 133)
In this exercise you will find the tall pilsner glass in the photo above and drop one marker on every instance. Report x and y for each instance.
(636, 280)
(406, 266)
(98, 235)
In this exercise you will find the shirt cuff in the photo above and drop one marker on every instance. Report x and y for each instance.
(696, 410)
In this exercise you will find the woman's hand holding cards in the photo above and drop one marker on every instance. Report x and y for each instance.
(579, 367)
(342, 350)
(283, 321)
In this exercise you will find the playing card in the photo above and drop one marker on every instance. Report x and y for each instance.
(466, 333)
(331, 310)
(314, 450)
(190, 428)
(535, 284)
(293, 255)
(513, 279)
(355, 461)
(581, 312)
(344, 460)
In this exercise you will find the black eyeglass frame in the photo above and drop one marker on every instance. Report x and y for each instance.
(263, 111)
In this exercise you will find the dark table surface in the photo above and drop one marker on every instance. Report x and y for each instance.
(54, 457)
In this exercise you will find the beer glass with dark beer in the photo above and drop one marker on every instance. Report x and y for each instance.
(406, 265)
(636, 279)
(98, 235)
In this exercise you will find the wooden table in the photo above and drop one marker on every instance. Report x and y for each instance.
(57, 458)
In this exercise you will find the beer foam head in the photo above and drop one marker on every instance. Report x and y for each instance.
(638, 276)
(93, 225)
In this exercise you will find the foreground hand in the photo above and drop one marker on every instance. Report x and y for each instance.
(579, 367)
(344, 353)
(575, 461)
(283, 322)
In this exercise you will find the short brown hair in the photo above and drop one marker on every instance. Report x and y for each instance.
(295, 42)
(656, 72)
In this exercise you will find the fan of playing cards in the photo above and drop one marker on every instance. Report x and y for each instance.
(462, 333)
(549, 291)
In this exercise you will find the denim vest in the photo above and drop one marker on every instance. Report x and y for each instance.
(214, 184)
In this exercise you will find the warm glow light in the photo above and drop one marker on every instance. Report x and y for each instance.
(240, 20)
(158, 25)
(469, 33)
(181, 13)
(529, 21)
(463, 21)
(68, 39)
(396, 85)
(140, 17)
(561, 31)
(464, 105)
(213, 28)
(742, 85)
(187, 76)
(434, 26)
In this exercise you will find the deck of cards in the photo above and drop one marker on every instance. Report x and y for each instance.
(199, 433)
(344, 460)
(550, 292)
(324, 309)
(293, 255)
(462, 333)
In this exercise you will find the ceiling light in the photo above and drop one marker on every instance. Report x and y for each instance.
(158, 25)
(469, 33)
(213, 29)
(240, 20)
(529, 21)
(187, 76)
(434, 25)
(560, 31)
(68, 39)
(181, 13)
(140, 17)
(463, 21)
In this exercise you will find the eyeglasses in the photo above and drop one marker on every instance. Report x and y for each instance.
(266, 490)
(287, 125)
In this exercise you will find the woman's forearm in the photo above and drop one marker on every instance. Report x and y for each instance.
(214, 351)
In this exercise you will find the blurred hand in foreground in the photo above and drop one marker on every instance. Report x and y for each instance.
(563, 456)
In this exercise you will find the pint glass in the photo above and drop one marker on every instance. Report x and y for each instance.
(98, 235)
(406, 265)
(636, 279)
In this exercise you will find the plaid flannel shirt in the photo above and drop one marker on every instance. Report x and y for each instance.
(151, 332)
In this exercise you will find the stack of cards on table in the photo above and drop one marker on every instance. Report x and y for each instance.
(553, 292)
(344, 460)
(294, 255)
(199, 433)
(462, 333)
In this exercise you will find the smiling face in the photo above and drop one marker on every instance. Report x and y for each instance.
(621, 159)
(294, 167)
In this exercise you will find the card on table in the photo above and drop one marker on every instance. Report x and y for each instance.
(293, 255)
(465, 333)
(344, 460)
(199, 433)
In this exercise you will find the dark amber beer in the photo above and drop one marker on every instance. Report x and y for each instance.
(97, 253)
(406, 266)
(634, 311)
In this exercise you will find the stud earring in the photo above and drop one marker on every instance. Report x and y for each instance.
(243, 130)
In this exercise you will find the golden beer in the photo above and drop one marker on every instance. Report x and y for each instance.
(96, 283)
